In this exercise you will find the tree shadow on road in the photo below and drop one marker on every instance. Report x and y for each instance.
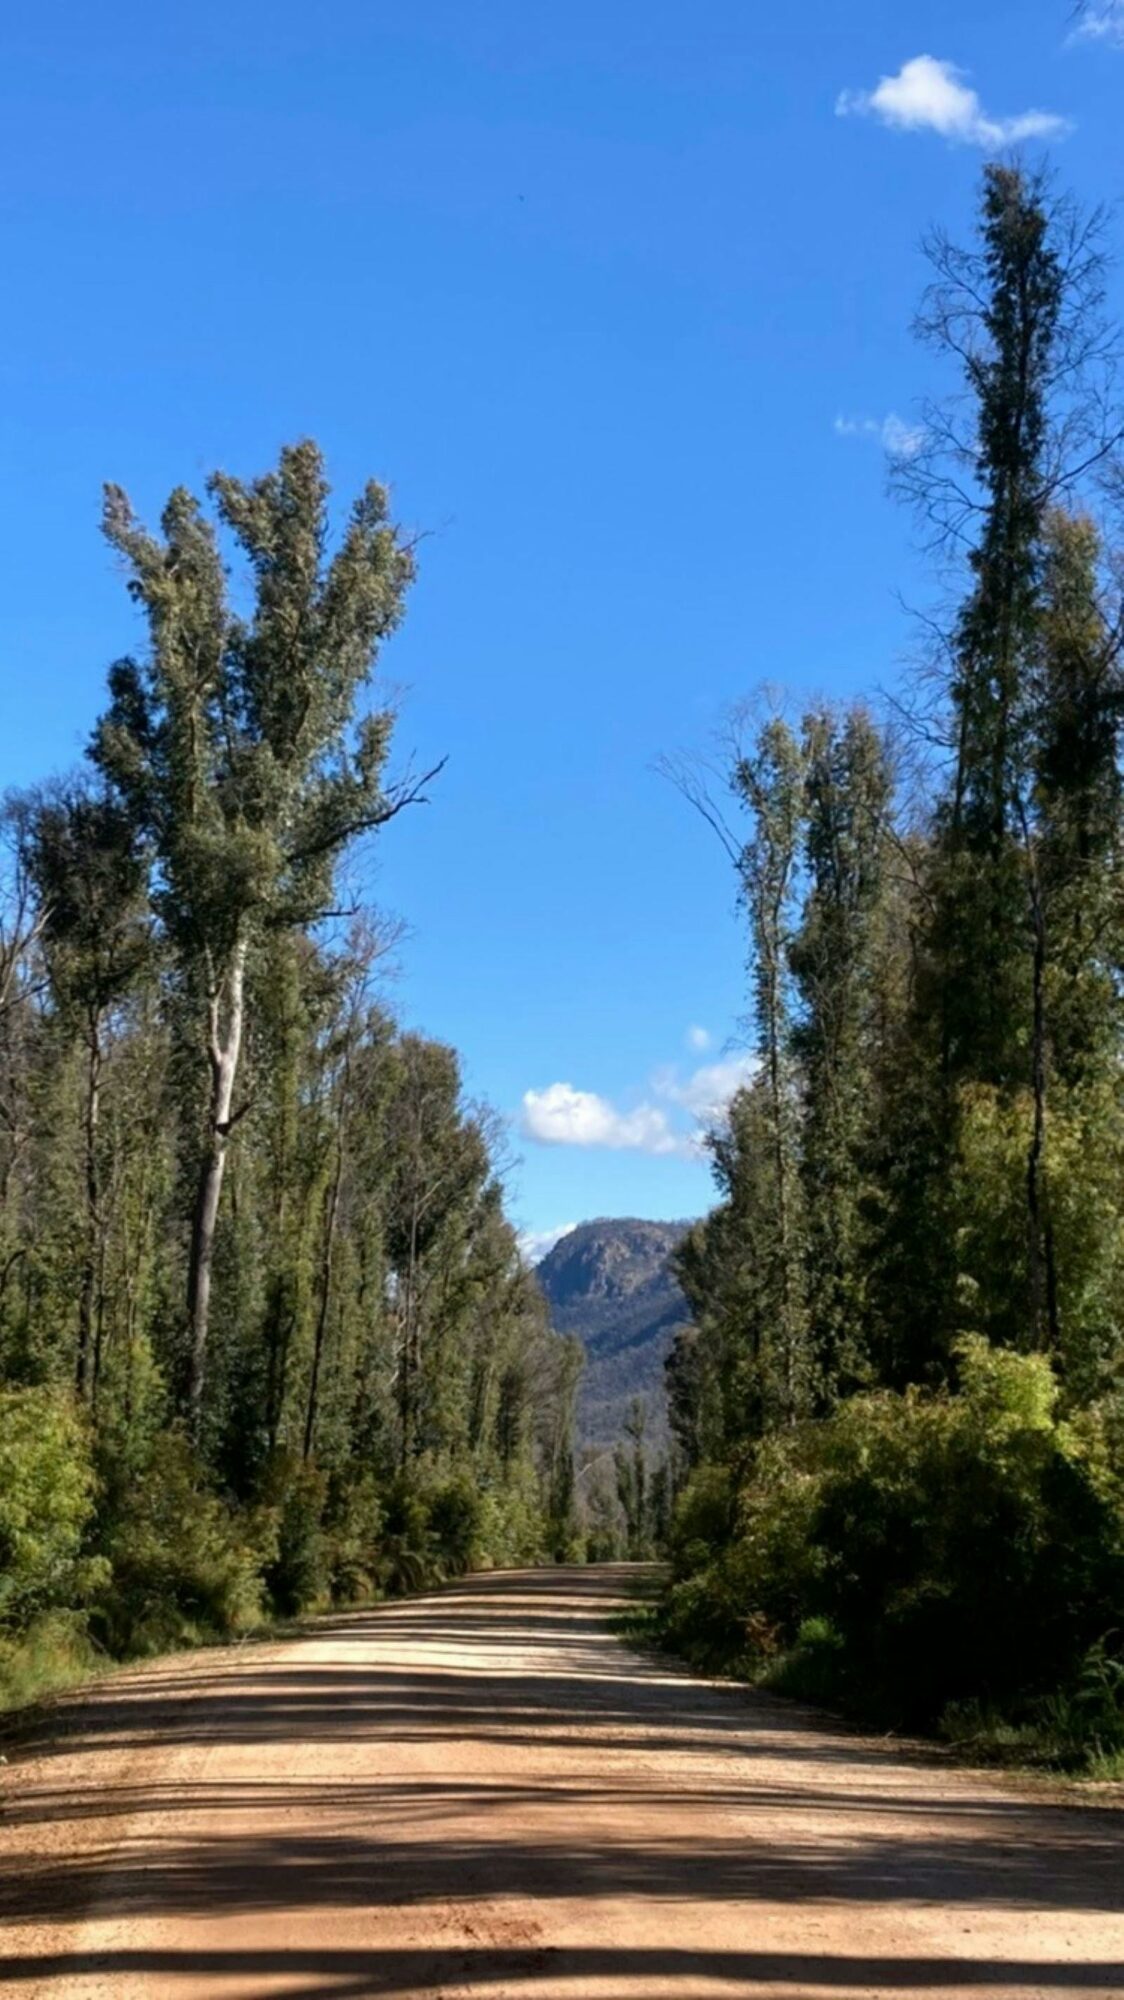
(728, 1813)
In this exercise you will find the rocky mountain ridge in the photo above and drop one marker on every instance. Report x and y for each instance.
(609, 1282)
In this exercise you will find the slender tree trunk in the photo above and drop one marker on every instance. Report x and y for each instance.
(331, 1212)
(88, 1292)
(410, 1340)
(1040, 1235)
(224, 1051)
(781, 1168)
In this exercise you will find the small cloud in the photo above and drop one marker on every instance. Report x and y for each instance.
(535, 1244)
(1103, 22)
(685, 1107)
(929, 95)
(898, 438)
(698, 1039)
(563, 1116)
(707, 1091)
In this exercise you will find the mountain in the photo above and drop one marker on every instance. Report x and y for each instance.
(609, 1283)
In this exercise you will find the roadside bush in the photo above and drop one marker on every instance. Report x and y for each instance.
(740, 1607)
(703, 1517)
(297, 1571)
(53, 1652)
(408, 1557)
(947, 1548)
(46, 1502)
(455, 1513)
(511, 1528)
(182, 1566)
(352, 1529)
(1080, 1726)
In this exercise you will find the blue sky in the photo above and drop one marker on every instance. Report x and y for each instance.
(617, 298)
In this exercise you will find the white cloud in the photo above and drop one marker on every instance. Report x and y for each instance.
(563, 1116)
(685, 1107)
(928, 95)
(535, 1244)
(698, 1038)
(898, 438)
(1101, 23)
(707, 1091)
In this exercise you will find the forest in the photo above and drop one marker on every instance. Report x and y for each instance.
(900, 1407)
(266, 1337)
(267, 1340)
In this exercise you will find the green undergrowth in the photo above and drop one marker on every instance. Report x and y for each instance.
(943, 1564)
(640, 1621)
(56, 1654)
(1074, 1732)
(106, 1562)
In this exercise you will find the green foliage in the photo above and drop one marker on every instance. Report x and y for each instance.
(182, 1565)
(351, 1530)
(46, 1502)
(298, 1565)
(919, 1237)
(408, 1556)
(203, 1097)
(53, 1652)
(945, 1547)
(454, 1522)
(1078, 1727)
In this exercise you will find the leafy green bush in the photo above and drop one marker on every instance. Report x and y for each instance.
(811, 1669)
(956, 1547)
(1079, 1726)
(352, 1531)
(511, 1526)
(46, 1501)
(297, 1569)
(408, 1556)
(182, 1565)
(454, 1510)
(703, 1516)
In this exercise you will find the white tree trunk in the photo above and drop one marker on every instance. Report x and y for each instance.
(226, 1009)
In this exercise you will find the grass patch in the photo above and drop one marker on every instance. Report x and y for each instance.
(641, 1620)
(54, 1654)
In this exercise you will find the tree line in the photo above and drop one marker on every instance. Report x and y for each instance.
(900, 1404)
(266, 1337)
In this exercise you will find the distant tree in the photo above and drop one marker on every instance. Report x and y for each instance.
(834, 954)
(768, 780)
(630, 1462)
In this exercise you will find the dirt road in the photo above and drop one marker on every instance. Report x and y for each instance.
(483, 1793)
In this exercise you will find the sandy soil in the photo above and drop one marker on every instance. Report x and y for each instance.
(483, 1793)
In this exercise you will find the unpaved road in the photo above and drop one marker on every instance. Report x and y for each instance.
(483, 1793)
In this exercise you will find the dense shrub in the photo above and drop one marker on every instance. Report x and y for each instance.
(512, 1528)
(352, 1530)
(408, 1557)
(915, 1550)
(182, 1565)
(46, 1501)
(47, 1487)
(297, 1571)
(454, 1508)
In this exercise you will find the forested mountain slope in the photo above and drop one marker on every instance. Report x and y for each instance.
(609, 1282)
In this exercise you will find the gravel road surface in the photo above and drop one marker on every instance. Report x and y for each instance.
(483, 1792)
